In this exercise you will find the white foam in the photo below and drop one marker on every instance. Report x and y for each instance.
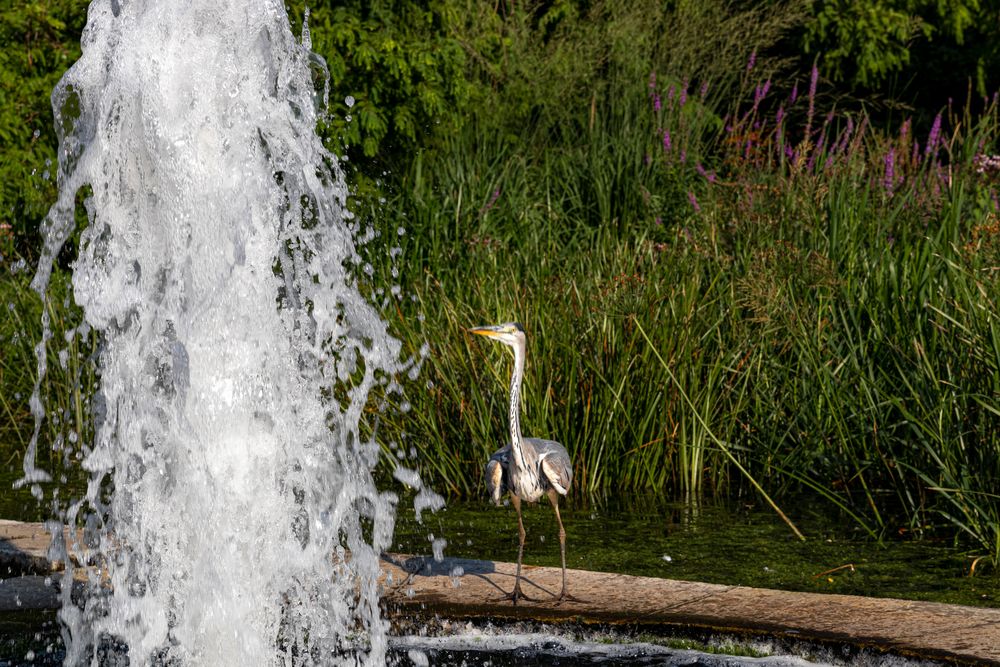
(542, 648)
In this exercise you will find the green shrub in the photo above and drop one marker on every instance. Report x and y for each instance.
(41, 39)
(869, 43)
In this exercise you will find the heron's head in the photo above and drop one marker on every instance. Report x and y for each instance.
(510, 333)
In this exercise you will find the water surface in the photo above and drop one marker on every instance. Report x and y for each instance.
(715, 542)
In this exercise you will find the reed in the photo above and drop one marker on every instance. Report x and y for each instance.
(70, 382)
(817, 296)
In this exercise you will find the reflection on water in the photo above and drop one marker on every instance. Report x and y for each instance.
(19, 505)
(721, 543)
(709, 541)
(713, 542)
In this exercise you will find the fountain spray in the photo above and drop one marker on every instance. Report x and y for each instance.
(231, 517)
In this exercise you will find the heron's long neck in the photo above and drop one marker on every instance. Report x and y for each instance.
(516, 441)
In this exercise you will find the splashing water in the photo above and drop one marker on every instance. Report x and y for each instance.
(228, 477)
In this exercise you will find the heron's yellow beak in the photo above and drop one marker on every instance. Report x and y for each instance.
(490, 332)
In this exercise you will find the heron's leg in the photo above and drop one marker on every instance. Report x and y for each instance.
(554, 497)
(517, 593)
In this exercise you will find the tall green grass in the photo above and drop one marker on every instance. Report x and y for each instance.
(734, 320)
(70, 381)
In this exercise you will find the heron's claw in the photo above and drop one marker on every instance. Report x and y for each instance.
(566, 597)
(515, 595)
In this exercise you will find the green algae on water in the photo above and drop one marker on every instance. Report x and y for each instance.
(719, 543)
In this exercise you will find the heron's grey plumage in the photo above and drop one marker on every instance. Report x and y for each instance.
(555, 469)
(526, 468)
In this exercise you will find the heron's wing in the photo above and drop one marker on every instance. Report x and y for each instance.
(555, 464)
(502, 455)
(496, 472)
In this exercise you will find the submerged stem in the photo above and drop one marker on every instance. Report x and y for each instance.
(715, 439)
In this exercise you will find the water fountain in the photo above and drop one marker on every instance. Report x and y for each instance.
(231, 517)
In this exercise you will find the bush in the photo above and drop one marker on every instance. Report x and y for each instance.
(869, 44)
(41, 39)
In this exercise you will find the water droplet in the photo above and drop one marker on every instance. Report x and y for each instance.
(437, 547)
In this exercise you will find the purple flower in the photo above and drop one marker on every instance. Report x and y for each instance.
(657, 105)
(761, 92)
(780, 116)
(652, 80)
(704, 91)
(752, 61)
(684, 155)
(795, 93)
(708, 176)
(666, 141)
(889, 178)
(658, 221)
(694, 202)
(682, 99)
(845, 137)
(986, 165)
(933, 137)
(670, 95)
(492, 201)
(814, 78)
(820, 145)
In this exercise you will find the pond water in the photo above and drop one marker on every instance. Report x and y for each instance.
(711, 541)
(714, 542)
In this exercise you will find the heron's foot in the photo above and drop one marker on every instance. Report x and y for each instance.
(515, 595)
(566, 597)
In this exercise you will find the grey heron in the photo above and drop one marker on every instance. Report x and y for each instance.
(527, 468)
